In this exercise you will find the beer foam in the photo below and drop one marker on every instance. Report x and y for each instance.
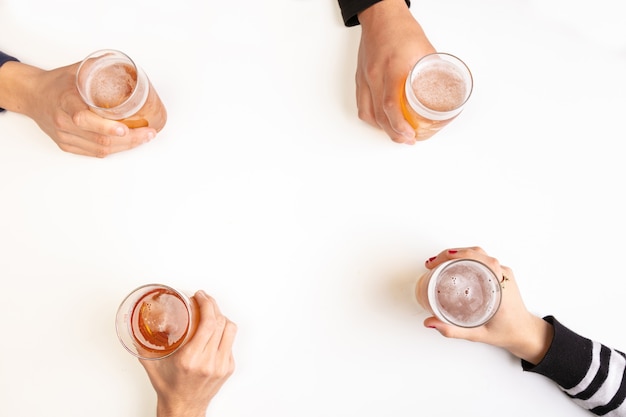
(111, 85)
(160, 321)
(440, 87)
(467, 293)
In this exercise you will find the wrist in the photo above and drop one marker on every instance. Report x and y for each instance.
(382, 11)
(534, 340)
(17, 83)
(184, 410)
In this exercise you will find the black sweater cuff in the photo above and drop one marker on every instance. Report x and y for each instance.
(3, 59)
(567, 359)
(350, 9)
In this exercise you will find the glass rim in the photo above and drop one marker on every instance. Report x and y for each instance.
(433, 282)
(97, 55)
(417, 105)
(120, 318)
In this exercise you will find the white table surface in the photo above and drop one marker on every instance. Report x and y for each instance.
(308, 226)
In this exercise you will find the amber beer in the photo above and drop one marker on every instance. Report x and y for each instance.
(462, 292)
(155, 320)
(435, 92)
(115, 88)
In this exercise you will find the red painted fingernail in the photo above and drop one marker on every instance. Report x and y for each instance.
(431, 327)
(452, 251)
(431, 259)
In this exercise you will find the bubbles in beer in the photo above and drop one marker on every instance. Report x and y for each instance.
(465, 294)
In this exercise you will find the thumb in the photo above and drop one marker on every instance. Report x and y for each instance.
(446, 330)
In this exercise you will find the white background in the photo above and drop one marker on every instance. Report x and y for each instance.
(308, 226)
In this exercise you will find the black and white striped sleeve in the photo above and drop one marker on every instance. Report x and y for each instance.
(590, 373)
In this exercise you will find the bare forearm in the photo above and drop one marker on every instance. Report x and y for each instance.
(17, 84)
(184, 410)
(533, 340)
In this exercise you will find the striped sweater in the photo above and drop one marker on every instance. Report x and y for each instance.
(591, 374)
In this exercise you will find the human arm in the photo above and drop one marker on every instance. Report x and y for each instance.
(187, 381)
(592, 374)
(52, 100)
(392, 41)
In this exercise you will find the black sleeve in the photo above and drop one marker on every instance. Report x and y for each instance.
(3, 59)
(590, 373)
(350, 9)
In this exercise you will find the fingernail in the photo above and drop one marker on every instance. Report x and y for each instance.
(120, 131)
(431, 327)
(452, 251)
(409, 134)
(431, 259)
(148, 137)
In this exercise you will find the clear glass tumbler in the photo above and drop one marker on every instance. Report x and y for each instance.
(156, 320)
(435, 92)
(462, 292)
(115, 88)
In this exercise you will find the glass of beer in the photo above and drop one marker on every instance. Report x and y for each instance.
(156, 320)
(115, 88)
(462, 292)
(435, 92)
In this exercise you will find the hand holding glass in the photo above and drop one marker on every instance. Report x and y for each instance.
(115, 88)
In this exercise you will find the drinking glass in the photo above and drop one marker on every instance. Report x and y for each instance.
(462, 292)
(115, 88)
(435, 92)
(155, 320)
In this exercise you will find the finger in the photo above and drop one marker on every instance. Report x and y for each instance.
(451, 331)
(132, 139)
(370, 86)
(364, 101)
(378, 104)
(219, 326)
(206, 324)
(228, 337)
(224, 353)
(508, 276)
(474, 252)
(82, 119)
(89, 121)
(104, 133)
(432, 322)
(211, 327)
(391, 103)
(228, 347)
(91, 144)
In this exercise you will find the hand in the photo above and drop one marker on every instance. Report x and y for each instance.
(513, 327)
(186, 381)
(52, 100)
(392, 41)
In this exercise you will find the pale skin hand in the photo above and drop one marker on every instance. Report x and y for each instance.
(513, 327)
(52, 100)
(187, 381)
(392, 41)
